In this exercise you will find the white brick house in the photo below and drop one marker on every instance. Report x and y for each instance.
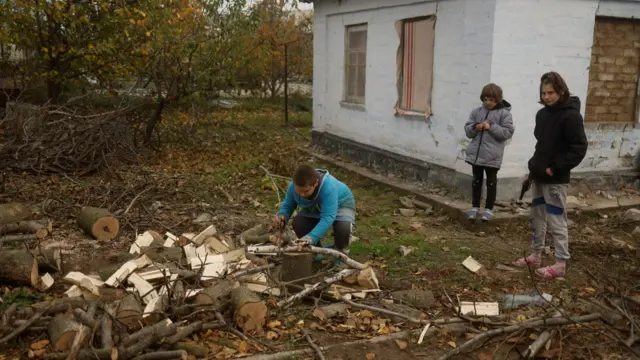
(379, 65)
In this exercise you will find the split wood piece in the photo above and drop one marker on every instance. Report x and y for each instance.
(234, 255)
(45, 282)
(13, 213)
(318, 286)
(367, 279)
(296, 266)
(83, 334)
(20, 267)
(142, 241)
(84, 281)
(259, 229)
(250, 312)
(129, 311)
(39, 228)
(99, 223)
(62, 331)
(154, 311)
(206, 233)
(163, 355)
(215, 245)
(525, 325)
(217, 295)
(127, 269)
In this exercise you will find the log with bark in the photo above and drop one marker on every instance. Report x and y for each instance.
(62, 330)
(40, 228)
(129, 311)
(14, 212)
(22, 267)
(99, 223)
(250, 312)
(217, 295)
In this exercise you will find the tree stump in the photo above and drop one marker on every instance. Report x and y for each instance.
(13, 213)
(296, 266)
(98, 223)
(62, 331)
(129, 311)
(250, 311)
(217, 295)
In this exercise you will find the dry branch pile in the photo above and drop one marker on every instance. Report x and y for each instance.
(45, 140)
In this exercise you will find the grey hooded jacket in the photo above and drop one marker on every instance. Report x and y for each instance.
(487, 147)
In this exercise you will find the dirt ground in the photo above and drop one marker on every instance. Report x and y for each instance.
(217, 171)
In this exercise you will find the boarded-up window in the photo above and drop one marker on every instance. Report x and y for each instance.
(355, 63)
(415, 65)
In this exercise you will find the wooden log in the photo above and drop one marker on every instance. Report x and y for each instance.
(256, 230)
(250, 312)
(99, 223)
(41, 228)
(22, 268)
(62, 331)
(13, 213)
(217, 295)
(158, 253)
(129, 311)
(296, 266)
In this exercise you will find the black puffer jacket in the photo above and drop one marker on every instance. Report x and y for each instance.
(561, 142)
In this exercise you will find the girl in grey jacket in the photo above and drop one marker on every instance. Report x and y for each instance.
(489, 127)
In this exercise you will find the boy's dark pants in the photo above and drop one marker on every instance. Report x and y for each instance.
(303, 225)
(492, 186)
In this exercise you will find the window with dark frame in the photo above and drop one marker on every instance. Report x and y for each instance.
(355, 63)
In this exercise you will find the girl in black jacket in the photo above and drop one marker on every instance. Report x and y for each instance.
(561, 146)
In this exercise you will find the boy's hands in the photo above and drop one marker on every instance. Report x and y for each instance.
(479, 127)
(279, 222)
(483, 126)
(549, 172)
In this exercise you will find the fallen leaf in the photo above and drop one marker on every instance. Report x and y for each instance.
(521, 318)
(114, 353)
(317, 312)
(35, 353)
(39, 345)
(365, 314)
(391, 231)
(371, 356)
(274, 324)
(300, 323)
(591, 290)
(452, 344)
(533, 336)
(272, 335)
(402, 344)
(243, 347)
(485, 356)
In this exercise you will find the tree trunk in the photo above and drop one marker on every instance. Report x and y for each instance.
(154, 120)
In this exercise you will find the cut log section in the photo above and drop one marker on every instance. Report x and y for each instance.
(21, 268)
(13, 213)
(62, 330)
(129, 311)
(99, 223)
(296, 266)
(250, 311)
(216, 295)
(40, 228)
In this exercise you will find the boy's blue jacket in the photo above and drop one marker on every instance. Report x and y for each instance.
(334, 201)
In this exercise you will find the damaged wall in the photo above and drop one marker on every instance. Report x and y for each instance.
(511, 43)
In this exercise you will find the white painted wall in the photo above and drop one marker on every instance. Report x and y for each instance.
(509, 42)
(461, 67)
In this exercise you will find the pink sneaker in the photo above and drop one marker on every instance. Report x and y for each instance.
(529, 261)
(555, 271)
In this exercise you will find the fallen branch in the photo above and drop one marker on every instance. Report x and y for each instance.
(38, 228)
(525, 325)
(305, 247)
(318, 286)
(163, 355)
(273, 182)
(313, 345)
(254, 231)
(22, 328)
(535, 346)
(249, 271)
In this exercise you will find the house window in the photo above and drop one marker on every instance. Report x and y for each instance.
(415, 62)
(355, 63)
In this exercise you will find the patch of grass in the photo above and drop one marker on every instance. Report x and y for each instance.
(21, 297)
